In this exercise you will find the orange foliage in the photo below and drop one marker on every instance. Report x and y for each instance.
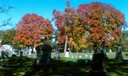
(31, 29)
(101, 20)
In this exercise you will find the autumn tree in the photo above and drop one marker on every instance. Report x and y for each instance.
(7, 36)
(31, 29)
(102, 21)
(70, 28)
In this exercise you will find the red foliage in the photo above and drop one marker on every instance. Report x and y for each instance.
(101, 20)
(62, 20)
(31, 29)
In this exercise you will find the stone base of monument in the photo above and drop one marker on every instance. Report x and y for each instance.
(67, 54)
(97, 68)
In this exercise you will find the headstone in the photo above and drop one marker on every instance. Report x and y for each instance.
(67, 54)
(29, 52)
(72, 56)
(14, 53)
(98, 65)
(44, 61)
(86, 55)
(43, 54)
(76, 57)
(90, 56)
(57, 55)
(4, 55)
(25, 52)
(80, 56)
(110, 51)
(21, 54)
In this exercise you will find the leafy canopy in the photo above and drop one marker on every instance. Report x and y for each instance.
(31, 29)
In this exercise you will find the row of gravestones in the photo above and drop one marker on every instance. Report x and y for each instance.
(5, 54)
(88, 55)
(80, 56)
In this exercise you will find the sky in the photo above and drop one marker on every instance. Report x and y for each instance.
(45, 8)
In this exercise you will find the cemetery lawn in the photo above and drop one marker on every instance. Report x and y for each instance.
(64, 66)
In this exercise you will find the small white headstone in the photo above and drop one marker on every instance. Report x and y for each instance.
(29, 52)
(90, 56)
(86, 55)
(67, 54)
(80, 56)
(110, 51)
(72, 56)
(76, 56)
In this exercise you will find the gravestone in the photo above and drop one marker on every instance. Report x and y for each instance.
(72, 56)
(110, 51)
(80, 56)
(43, 53)
(98, 65)
(57, 55)
(13, 54)
(4, 55)
(29, 52)
(67, 54)
(90, 56)
(39, 53)
(107, 53)
(21, 54)
(76, 57)
(44, 61)
(86, 55)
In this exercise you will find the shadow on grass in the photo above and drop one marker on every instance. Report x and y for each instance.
(61, 68)
(25, 67)
(15, 66)
(117, 67)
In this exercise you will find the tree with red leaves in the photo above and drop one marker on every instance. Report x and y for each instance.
(31, 29)
(69, 24)
(102, 21)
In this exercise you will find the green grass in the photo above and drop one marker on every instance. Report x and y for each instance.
(16, 67)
